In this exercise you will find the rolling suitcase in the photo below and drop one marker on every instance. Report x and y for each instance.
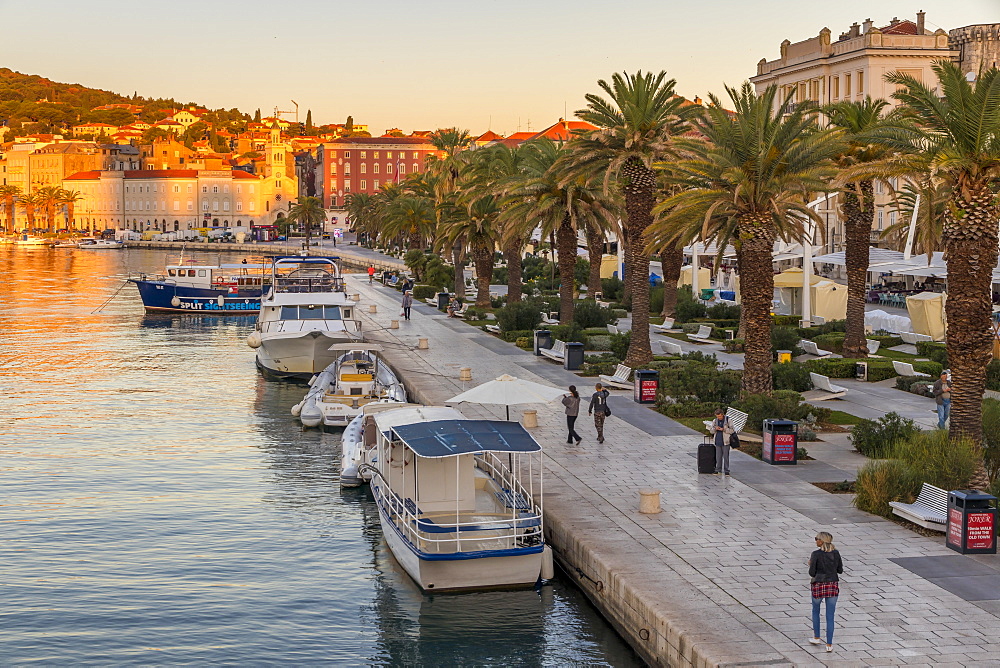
(706, 456)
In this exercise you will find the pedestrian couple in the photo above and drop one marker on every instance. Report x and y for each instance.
(598, 408)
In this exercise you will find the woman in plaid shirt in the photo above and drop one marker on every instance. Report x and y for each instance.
(825, 566)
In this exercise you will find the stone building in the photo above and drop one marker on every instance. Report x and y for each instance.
(977, 46)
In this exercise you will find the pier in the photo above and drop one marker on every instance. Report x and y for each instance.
(719, 578)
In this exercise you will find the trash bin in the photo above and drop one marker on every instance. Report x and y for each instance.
(861, 370)
(784, 356)
(781, 442)
(972, 522)
(730, 334)
(443, 299)
(543, 339)
(645, 386)
(573, 359)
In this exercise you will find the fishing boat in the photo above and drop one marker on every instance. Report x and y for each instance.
(31, 242)
(338, 393)
(453, 510)
(192, 286)
(101, 244)
(304, 313)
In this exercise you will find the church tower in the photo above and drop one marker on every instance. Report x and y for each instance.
(274, 154)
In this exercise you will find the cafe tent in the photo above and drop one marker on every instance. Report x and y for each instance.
(704, 277)
(829, 299)
(926, 311)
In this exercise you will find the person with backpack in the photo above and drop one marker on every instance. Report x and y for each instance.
(825, 567)
(599, 409)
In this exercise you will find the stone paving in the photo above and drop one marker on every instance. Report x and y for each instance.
(725, 564)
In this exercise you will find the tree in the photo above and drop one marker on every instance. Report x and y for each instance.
(29, 201)
(309, 212)
(865, 156)
(47, 197)
(309, 122)
(747, 181)
(69, 198)
(409, 216)
(446, 169)
(474, 219)
(9, 194)
(256, 116)
(960, 140)
(928, 196)
(637, 124)
(349, 125)
(153, 135)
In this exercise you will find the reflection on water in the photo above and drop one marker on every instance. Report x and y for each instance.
(161, 505)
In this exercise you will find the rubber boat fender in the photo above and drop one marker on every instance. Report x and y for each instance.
(254, 340)
(548, 567)
(175, 301)
(221, 301)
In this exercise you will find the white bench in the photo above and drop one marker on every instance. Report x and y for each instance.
(873, 346)
(930, 510)
(811, 348)
(671, 348)
(668, 324)
(737, 420)
(704, 331)
(495, 329)
(547, 320)
(613, 330)
(906, 369)
(620, 379)
(821, 382)
(914, 338)
(557, 352)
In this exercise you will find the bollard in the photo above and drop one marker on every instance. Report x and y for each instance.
(393, 324)
(373, 308)
(649, 501)
(422, 343)
(530, 420)
(356, 297)
(465, 374)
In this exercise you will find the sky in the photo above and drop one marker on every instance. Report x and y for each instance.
(477, 65)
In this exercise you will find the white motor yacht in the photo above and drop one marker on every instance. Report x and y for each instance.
(305, 312)
(453, 506)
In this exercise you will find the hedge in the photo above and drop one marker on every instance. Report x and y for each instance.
(424, 291)
(933, 351)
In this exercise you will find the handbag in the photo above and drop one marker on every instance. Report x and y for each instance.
(734, 441)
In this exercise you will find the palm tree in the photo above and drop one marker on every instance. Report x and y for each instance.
(69, 198)
(864, 128)
(475, 219)
(928, 196)
(409, 216)
(446, 168)
(47, 197)
(749, 181)
(960, 138)
(360, 209)
(29, 201)
(9, 194)
(636, 126)
(309, 212)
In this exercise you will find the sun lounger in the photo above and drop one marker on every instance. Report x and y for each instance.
(671, 348)
(906, 369)
(930, 510)
(494, 329)
(557, 352)
(823, 383)
(621, 379)
(914, 338)
(612, 329)
(546, 320)
(811, 348)
(737, 420)
(701, 335)
(668, 324)
(817, 320)
(873, 346)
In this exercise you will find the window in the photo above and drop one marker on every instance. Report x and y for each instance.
(204, 205)
(878, 187)
(389, 155)
(253, 205)
(375, 168)
(333, 168)
(215, 189)
(177, 189)
(415, 167)
(847, 85)
(251, 190)
(836, 87)
(239, 189)
(364, 154)
(364, 184)
(402, 168)
(388, 168)
(861, 83)
(190, 205)
(414, 156)
(880, 219)
(347, 154)
(190, 188)
(375, 185)
(892, 218)
(239, 206)
(215, 205)
(225, 205)
(204, 189)
(364, 168)
(347, 186)
(376, 155)
(225, 188)
(177, 205)
(277, 184)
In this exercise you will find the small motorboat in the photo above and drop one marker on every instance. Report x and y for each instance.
(358, 444)
(338, 393)
(453, 506)
(101, 244)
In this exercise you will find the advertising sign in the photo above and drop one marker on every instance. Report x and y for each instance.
(647, 391)
(955, 527)
(338, 233)
(767, 447)
(980, 533)
(784, 447)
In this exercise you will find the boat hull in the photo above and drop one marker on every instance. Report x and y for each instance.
(298, 354)
(163, 297)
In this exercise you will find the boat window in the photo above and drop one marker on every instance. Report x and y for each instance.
(289, 312)
(333, 313)
(191, 272)
(201, 272)
(171, 272)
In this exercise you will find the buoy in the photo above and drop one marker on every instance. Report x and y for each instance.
(548, 567)
(221, 301)
(254, 340)
(175, 301)
(296, 409)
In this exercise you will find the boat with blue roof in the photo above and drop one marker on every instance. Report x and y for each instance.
(190, 285)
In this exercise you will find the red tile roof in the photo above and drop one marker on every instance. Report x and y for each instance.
(489, 135)
(563, 130)
(84, 176)
(905, 27)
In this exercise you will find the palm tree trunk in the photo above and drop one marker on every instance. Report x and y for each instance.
(458, 259)
(626, 262)
(639, 184)
(757, 288)
(858, 213)
(671, 260)
(741, 332)
(482, 255)
(595, 253)
(512, 252)
(971, 242)
(566, 247)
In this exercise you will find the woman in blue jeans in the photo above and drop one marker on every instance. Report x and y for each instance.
(825, 567)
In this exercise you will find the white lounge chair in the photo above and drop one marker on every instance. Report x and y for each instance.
(704, 331)
(668, 324)
(873, 346)
(495, 329)
(823, 383)
(613, 330)
(621, 379)
(737, 420)
(914, 338)
(817, 320)
(546, 320)
(811, 348)
(557, 352)
(930, 510)
(906, 369)
(671, 348)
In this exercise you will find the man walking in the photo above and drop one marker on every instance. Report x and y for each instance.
(942, 395)
(407, 304)
(599, 409)
(371, 274)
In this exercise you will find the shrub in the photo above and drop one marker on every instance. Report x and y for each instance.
(612, 288)
(992, 375)
(514, 335)
(700, 380)
(424, 291)
(619, 344)
(692, 327)
(882, 481)
(656, 299)
(619, 313)
(568, 333)
(438, 274)
(733, 345)
(935, 458)
(473, 313)
(887, 341)
(991, 439)
(688, 409)
(825, 328)
(787, 320)
(933, 351)
(782, 405)
(833, 342)
(587, 313)
(525, 342)
(598, 341)
(785, 338)
(519, 315)
(687, 308)
(877, 438)
(791, 376)
(914, 384)
(834, 368)
(724, 312)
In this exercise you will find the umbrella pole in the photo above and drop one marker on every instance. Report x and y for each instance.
(508, 413)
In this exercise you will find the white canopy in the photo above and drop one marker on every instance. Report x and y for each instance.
(509, 391)
(875, 256)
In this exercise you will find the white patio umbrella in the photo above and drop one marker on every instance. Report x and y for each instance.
(509, 391)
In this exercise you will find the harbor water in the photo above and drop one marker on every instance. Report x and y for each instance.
(160, 505)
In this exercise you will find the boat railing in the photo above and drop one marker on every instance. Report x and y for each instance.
(306, 284)
(276, 326)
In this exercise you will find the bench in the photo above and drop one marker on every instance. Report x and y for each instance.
(704, 331)
(671, 348)
(873, 346)
(546, 320)
(914, 338)
(668, 324)
(557, 352)
(620, 379)
(737, 420)
(811, 348)
(906, 369)
(930, 510)
(821, 382)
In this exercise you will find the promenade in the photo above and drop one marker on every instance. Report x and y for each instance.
(719, 577)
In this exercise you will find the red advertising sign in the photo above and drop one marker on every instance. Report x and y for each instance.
(784, 447)
(980, 532)
(955, 527)
(647, 391)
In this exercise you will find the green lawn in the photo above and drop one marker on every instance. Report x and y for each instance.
(842, 418)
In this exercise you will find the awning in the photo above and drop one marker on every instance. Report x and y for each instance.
(450, 438)
(875, 256)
